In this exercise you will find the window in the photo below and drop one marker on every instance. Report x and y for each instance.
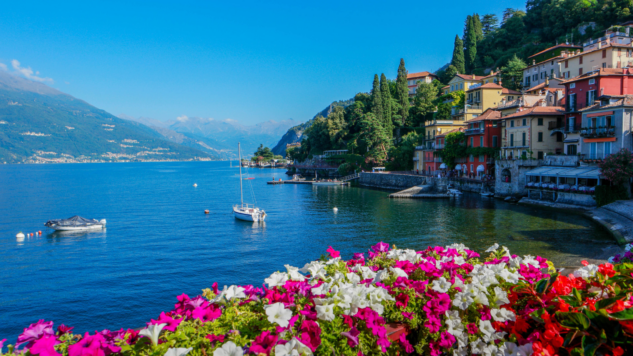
(481, 141)
(495, 124)
(571, 102)
(540, 121)
(472, 140)
(471, 168)
(524, 123)
(511, 123)
(559, 137)
(572, 85)
(523, 139)
(539, 154)
(481, 158)
(607, 149)
(592, 81)
(604, 64)
(591, 97)
(604, 54)
(566, 64)
(572, 149)
(540, 137)
(568, 75)
(495, 141)
(580, 60)
(511, 140)
(580, 71)
(471, 158)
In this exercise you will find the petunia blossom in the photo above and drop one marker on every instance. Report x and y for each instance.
(172, 323)
(263, 343)
(352, 336)
(34, 332)
(229, 349)
(45, 346)
(278, 314)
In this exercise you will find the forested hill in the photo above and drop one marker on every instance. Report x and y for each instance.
(39, 124)
(295, 133)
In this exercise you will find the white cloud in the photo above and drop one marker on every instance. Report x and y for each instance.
(3, 66)
(182, 118)
(28, 72)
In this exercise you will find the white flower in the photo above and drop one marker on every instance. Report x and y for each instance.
(177, 351)
(501, 297)
(278, 314)
(458, 283)
(458, 247)
(325, 312)
(292, 348)
(294, 274)
(441, 285)
(502, 315)
(530, 260)
(587, 271)
(493, 248)
(509, 276)
(153, 332)
(525, 350)
(492, 350)
(506, 252)
(229, 349)
(477, 347)
(398, 272)
(234, 292)
(462, 300)
(366, 272)
(515, 262)
(459, 260)
(380, 275)
(462, 340)
(333, 260)
(485, 326)
(353, 278)
(512, 349)
(454, 323)
(276, 279)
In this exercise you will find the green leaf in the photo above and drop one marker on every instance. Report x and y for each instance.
(570, 300)
(576, 293)
(536, 315)
(605, 303)
(543, 284)
(590, 346)
(626, 314)
(572, 320)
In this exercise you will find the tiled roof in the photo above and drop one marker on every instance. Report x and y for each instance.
(492, 74)
(539, 63)
(496, 86)
(538, 110)
(448, 86)
(624, 100)
(489, 114)
(461, 129)
(554, 47)
(420, 75)
(510, 91)
(596, 73)
(469, 76)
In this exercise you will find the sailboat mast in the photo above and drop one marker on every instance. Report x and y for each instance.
(239, 154)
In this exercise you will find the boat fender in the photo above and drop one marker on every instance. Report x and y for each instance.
(20, 235)
(39, 232)
(206, 211)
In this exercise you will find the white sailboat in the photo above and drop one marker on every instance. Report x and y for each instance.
(246, 212)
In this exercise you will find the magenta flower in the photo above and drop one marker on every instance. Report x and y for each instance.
(2, 344)
(215, 288)
(63, 329)
(206, 314)
(215, 338)
(433, 323)
(408, 315)
(35, 332)
(471, 254)
(380, 247)
(472, 328)
(45, 346)
(172, 323)
(263, 343)
(352, 337)
(92, 345)
(311, 334)
(402, 300)
(485, 313)
(359, 256)
(447, 340)
(333, 252)
(406, 344)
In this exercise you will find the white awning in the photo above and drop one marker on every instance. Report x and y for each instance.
(458, 166)
(443, 166)
(480, 168)
(566, 172)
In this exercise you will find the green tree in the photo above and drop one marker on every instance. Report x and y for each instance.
(263, 152)
(454, 147)
(478, 28)
(449, 73)
(424, 102)
(402, 95)
(458, 56)
(401, 156)
(508, 13)
(376, 99)
(386, 103)
(512, 73)
(337, 128)
(470, 51)
(373, 137)
(489, 24)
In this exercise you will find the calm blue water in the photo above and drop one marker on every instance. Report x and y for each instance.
(160, 244)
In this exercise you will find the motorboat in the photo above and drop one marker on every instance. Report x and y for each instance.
(76, 223)
(246, 212)
(453, 192)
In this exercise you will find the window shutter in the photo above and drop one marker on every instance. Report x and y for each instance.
(587, 98)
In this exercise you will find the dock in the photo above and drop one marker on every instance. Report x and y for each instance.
(290, 181)
(419, 192)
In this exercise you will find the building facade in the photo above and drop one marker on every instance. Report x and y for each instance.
(527, 133)
(482, 131)
(414, 78)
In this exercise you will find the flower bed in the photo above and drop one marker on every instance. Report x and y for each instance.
(440, 301)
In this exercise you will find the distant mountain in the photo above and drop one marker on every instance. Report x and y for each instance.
(295, 133)
(41, 124)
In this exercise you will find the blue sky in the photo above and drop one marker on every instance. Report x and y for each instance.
(250, 61)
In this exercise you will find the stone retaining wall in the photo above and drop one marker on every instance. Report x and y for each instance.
(390, 181)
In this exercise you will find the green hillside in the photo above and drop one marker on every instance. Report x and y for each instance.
(55, 126)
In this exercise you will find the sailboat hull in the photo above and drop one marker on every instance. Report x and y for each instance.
(246, 215)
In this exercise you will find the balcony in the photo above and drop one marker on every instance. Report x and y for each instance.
(477, 131)
(473, 108)
(554, 125)
(571, 128)
(420, 147)
(511, 103)
(600, 131)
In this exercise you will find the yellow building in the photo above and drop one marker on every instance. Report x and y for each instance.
(463, 82)
(529, 129)
(481, 97)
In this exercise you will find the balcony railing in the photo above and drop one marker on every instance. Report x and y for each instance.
(600, 131)
(473, 108)
(510, 103)
(554, 125)
(569, 128)
(420, 147)
(476, 131)
(457, 111)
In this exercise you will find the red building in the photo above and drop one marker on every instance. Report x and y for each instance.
(482, 131)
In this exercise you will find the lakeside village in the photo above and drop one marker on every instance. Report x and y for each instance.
(561, 138)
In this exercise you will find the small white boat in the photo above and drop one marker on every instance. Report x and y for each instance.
(243, 211)
(453, 192)
(75, 223)
(487, 194)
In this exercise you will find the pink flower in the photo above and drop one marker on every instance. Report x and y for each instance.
(408, 315)
(485, 313)
(359, 256)
(172, 323)
(263, 343)
(333, 253)
(352, 337)
(34, 332)
(310, 334)
(433, 323)
(380, 247)
(45, 346)
(215, 288)
(206, 314)
(446, 340)
(94, 345)
(472, 328)
(63, 329)
(215, 338)
(402, 300)
(2, 344)
(406, 344)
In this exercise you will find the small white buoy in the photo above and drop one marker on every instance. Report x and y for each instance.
(195, 185)
(335, 209)
(20, 235)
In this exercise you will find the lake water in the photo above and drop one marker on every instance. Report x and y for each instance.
(159, 243)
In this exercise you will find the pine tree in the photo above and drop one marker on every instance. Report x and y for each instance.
(376, 99)
(477, 25)
(458, 56)
(386, 104)
(471, 45)
(403, 94)
(489, 24)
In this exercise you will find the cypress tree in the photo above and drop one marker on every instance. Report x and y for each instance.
(386, 104)
(471, 45)
(403, 93)
(458, 56)
(479, 30)
(376, 99)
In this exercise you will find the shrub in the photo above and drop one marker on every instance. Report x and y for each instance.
(607, 194)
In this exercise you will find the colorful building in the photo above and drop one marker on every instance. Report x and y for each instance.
(545, 65)
(527, 132)
(414, 78)
(482, 131)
